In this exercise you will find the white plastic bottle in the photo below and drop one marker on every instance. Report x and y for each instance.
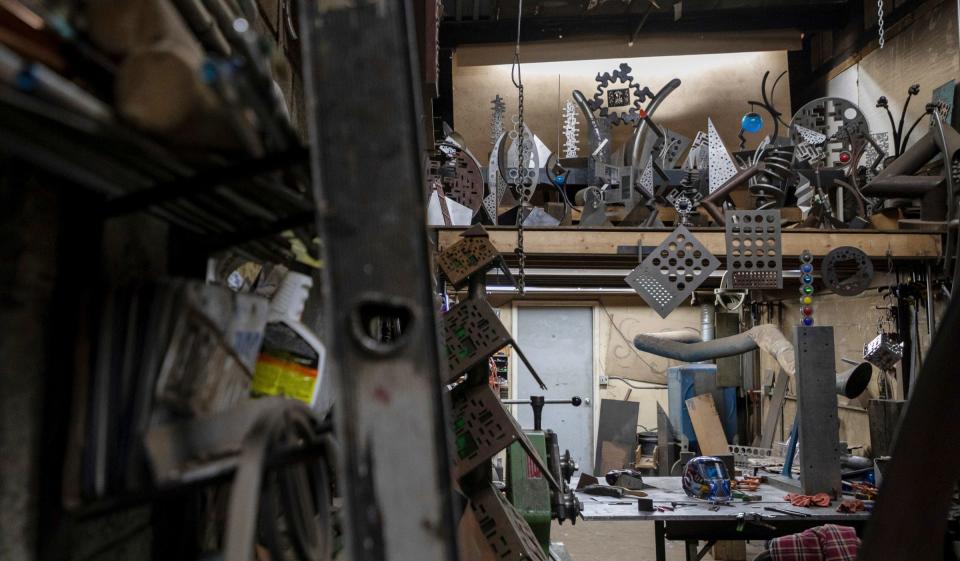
(291, 358)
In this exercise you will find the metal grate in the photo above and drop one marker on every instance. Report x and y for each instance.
(671, 273)
(754, 256)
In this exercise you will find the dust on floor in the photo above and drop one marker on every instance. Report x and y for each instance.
(620, 541)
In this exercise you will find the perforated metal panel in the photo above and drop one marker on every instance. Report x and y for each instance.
(646, 179)
(482, 428)
(507, 533)
(809, 136)
(676, 144)
(671, 273)
(466, 257)
(720, 164)
(754, 257)
(471, 333)
(459, 175)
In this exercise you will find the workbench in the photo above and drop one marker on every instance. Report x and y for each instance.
(693, 521)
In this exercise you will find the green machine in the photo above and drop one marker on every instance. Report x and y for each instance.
(528, 490)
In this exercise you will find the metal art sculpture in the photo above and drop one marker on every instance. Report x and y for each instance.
(619, 97)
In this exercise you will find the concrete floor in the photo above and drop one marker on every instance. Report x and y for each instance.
(620, 541)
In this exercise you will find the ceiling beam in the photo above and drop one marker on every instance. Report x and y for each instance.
(829, 15)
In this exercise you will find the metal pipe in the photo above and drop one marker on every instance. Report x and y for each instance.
(708, 315)
(637, 142)
(695, 352)
(766, 337)
(904, 185)
(679, 335)
(591, 121)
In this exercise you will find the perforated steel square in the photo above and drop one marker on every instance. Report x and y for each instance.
(507, 533)
(671, 273)
(466, 257)
(754, 258)
(471, 333)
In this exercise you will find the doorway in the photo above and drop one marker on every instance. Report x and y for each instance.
(558, 341)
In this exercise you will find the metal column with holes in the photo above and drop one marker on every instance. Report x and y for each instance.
(390, 411)
(817, 401)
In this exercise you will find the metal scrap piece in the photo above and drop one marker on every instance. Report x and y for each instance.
(672, 271)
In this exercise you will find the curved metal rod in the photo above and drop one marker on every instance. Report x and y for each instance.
(633, 154)
(592, 125)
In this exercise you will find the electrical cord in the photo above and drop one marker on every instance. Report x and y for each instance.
(287, 506)
(627, 381)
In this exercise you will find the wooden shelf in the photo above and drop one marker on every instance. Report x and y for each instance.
(618, 243)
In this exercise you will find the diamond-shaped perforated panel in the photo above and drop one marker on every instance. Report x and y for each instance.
(671, 273)
(754, 258)
(466, 257)
(507, 533)
(471, 333)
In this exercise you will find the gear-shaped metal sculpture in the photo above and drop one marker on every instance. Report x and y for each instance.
(618, 97)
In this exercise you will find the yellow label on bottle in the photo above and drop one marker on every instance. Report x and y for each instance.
(275, 376)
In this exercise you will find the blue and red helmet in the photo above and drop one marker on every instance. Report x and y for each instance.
(706, 477)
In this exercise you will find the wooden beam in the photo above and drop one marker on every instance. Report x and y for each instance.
(576, 241)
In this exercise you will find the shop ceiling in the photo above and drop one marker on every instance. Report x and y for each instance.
(494, 21)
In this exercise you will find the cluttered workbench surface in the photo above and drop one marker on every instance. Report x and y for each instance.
(667, 493)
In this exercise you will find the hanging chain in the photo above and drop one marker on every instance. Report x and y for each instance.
(880, 21)
(519, 184)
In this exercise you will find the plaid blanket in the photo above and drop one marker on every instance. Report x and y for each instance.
(823, 543)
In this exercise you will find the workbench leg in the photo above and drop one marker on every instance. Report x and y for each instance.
(659, 540)
(692, 550)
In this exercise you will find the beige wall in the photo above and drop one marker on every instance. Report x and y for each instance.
(925, 52)
(715, 85)
(854, 321)
(620, 318)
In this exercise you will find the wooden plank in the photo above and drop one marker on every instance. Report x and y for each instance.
(707, 426)
(576, 241)
(765, 440)
(885, 416)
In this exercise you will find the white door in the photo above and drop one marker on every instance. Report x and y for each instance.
(558, 341)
